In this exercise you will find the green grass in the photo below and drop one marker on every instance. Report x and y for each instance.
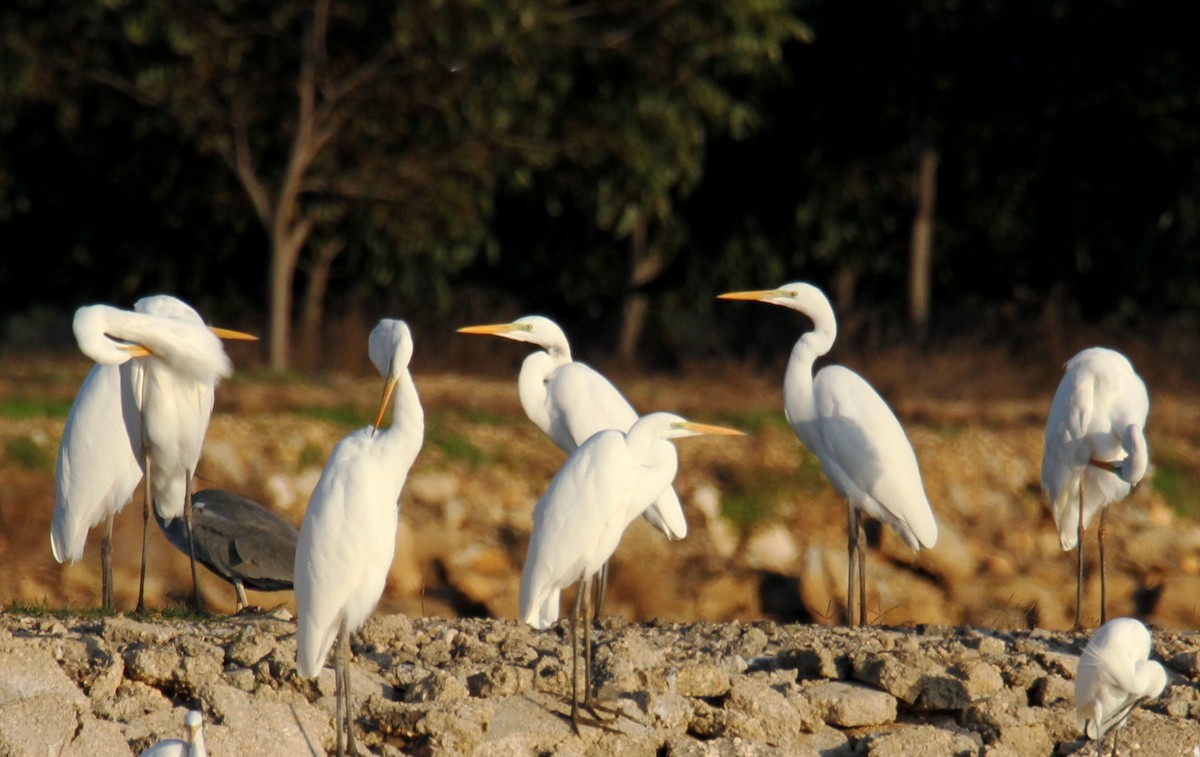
(24, 452)
(310, 455)
(809, 475)
(483, 417)
(22, 408)
(746, 509)
(454, 446)
(343, 415)
(1180, 486)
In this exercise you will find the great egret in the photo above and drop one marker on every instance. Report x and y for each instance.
(1115, 674)
(603, 485)
(192, 744)
(569, 401)
(237, 539)
(842, 420)
(1095, 449)
(100, 457)
(348, 537)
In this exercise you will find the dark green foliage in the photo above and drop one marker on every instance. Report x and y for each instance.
(558, 156)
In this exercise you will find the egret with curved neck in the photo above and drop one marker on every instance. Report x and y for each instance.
(348, 537)
(857, 438)
(1114, 676)
(605, 484)
(144, 407)
(1095, 450)
(570, 401)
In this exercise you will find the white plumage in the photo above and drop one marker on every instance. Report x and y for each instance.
(1095, 448)
(570, 402)
(160, 401)
(605, 484)
(192, 745)
(1115, 674)
(1098, 413)
(348, 537)
(858, 440)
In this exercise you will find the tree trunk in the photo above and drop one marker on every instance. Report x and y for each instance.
(283, 271)
(921, 250)
(645, 266)
(312, 309)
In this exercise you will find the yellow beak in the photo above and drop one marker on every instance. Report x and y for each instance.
(389, 387)
(492, 328)
(230, 334)
(760, 294)
(136, 350)
(704, 428)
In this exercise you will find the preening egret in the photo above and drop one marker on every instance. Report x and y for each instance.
(603, 485)
(191, 746)
(237, 539)
(348, 537)
(569, 401)
(100, 457)
(1115, 674)
(1095, 449)
(842, 420)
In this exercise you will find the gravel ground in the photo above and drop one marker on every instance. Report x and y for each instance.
(113, 685)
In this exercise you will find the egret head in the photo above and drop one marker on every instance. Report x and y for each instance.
(191, 724)
(535, 329)
(798, 295)
(166, 306)
(672, 426)
(390, 347)
(91, 325)
(1133, 468)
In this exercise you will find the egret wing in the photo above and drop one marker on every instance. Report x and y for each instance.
(582, 402)
(99, 458)
(872, 454)
(344, 551)
(574, 522)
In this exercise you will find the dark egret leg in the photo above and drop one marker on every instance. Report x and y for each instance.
(1079, 556)
(601, 587)
(852, 550)
(339, 717)
(1103, 589)
(587, 655)
(106, 565)
(351, 744)
(147, 503)
(575, 614)
(862, 583)
(187, 521)
(344, 715)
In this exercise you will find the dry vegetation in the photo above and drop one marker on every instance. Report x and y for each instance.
(767, 532)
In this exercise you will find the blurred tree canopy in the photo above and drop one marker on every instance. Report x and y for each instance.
(614, 164)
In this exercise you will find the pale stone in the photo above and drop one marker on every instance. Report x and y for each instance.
(851, 705)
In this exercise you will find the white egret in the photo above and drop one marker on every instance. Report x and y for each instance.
(1095, 450)
(1115, 674)
(605, 484)
(237, 539)
(348, 537)
(857, 438)
(192, 745)
(101, 455)
(570, 401)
